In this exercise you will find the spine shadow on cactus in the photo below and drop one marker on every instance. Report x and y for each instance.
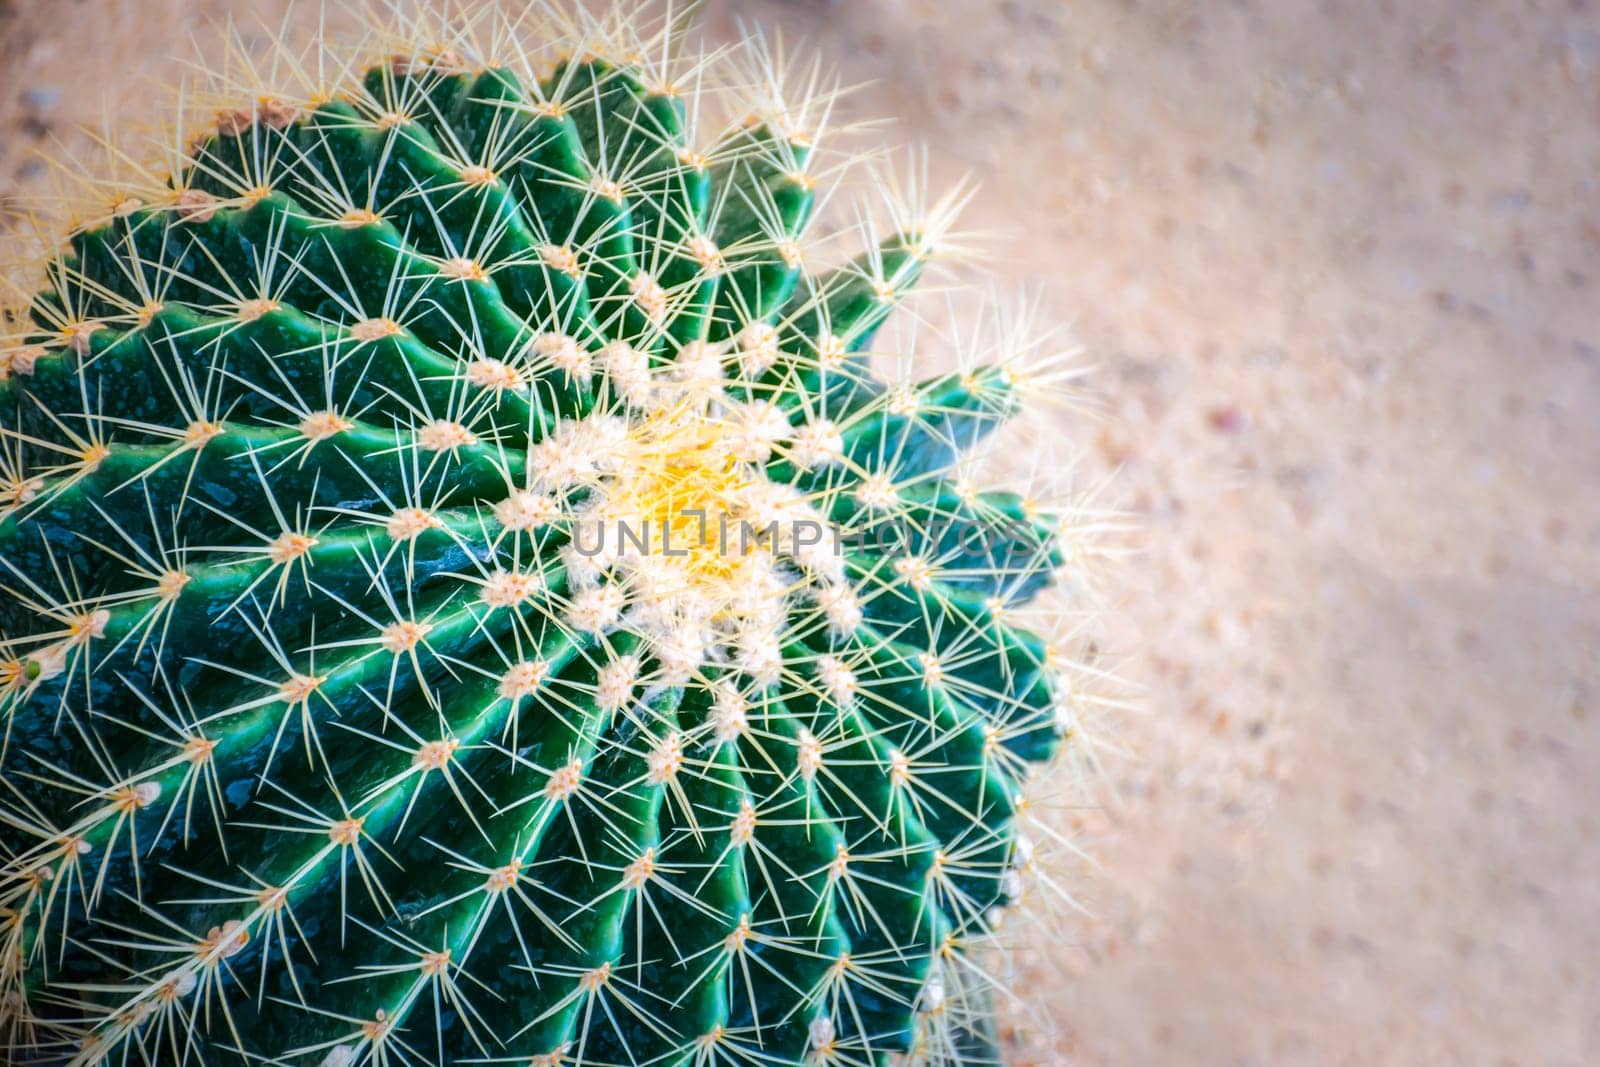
(327, 741)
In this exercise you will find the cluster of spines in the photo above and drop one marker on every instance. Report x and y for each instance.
(265, 401)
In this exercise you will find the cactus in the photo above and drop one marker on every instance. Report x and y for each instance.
(469, 597)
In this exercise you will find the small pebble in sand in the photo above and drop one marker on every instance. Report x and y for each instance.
(1228, 419)
(41, 97)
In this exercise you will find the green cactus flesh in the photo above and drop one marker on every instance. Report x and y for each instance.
(327, 741)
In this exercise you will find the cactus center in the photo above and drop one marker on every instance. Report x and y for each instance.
(678, 484)
(699, 548)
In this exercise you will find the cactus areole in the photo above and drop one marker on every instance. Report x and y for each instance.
(467, 598)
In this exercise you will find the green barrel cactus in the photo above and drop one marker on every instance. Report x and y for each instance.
(467, 598)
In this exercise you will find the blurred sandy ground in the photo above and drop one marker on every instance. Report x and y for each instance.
(1337, 264)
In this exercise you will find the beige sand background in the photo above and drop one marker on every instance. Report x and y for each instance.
(1336, 264)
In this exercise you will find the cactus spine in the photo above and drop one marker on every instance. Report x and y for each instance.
(467, 598)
